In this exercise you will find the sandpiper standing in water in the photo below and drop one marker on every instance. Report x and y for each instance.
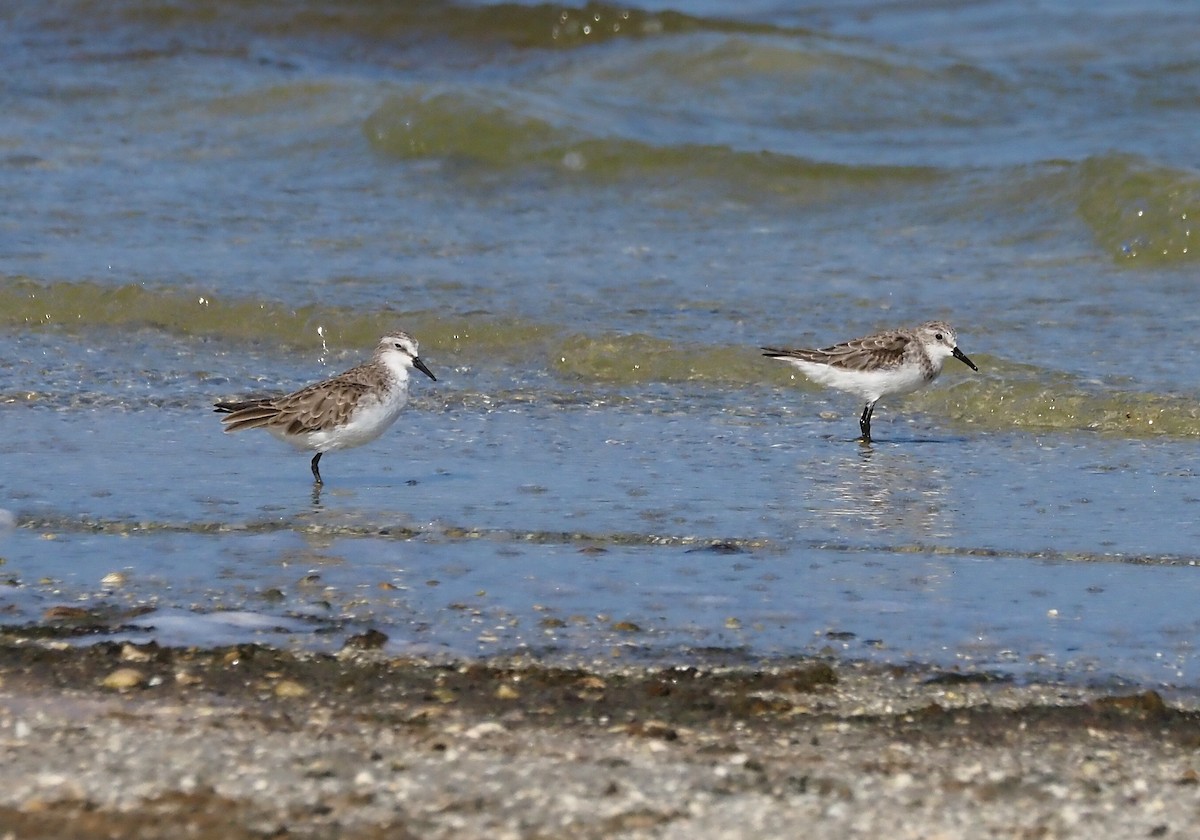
(891, 362)
(347, 410)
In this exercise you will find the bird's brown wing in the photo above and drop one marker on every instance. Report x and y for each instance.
(885, 349)
(859, 354)
(246, 414)
(320, 406)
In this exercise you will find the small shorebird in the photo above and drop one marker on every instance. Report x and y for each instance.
(347, 410)
(890, 362)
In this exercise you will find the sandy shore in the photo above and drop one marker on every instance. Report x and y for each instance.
(122, 741)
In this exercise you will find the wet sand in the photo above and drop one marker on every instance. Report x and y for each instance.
(128, 741)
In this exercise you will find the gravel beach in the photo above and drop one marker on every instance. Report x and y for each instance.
(131, 741)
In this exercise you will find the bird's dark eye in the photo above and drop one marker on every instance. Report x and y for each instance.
(938, 336)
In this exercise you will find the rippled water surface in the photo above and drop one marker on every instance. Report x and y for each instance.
(591, 218)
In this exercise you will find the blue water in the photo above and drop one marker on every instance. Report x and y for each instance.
(591, 219)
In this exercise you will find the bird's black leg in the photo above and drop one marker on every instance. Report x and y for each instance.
(316, 472)
(864, 422)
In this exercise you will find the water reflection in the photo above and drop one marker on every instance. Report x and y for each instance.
(884, 488)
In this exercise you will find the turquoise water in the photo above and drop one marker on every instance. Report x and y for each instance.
(591, 218)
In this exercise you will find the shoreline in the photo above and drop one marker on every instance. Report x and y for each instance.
(118, 740)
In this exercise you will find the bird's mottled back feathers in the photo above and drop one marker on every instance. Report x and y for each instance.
(325, 403)
(884, 349)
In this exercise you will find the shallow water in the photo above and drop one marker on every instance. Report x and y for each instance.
(591, 219)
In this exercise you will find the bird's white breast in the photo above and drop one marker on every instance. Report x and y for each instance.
(868, 384)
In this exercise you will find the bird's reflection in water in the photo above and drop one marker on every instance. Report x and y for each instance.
(884, 489)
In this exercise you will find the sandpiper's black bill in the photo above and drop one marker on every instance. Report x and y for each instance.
(419, 365)
(962, 357)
